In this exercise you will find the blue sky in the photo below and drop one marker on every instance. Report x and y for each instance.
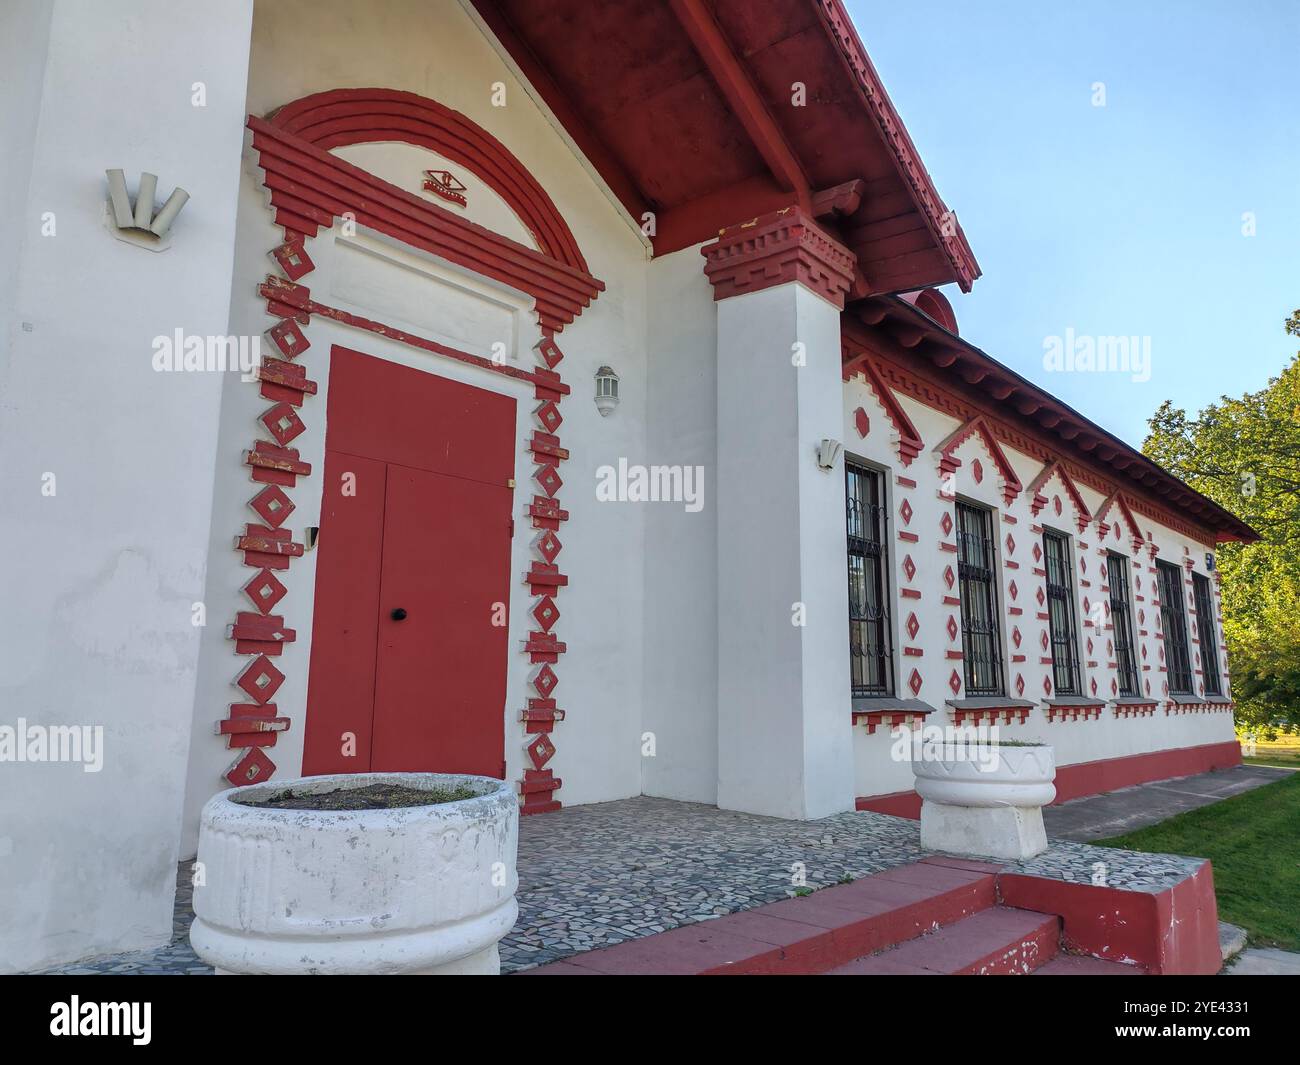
(1122, 220)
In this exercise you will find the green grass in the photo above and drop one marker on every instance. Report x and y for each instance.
(1283, 752)
(1253, 840)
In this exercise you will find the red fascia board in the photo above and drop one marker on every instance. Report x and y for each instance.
(852, 54)
(1226, 525)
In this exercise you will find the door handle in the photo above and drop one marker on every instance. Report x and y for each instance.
(398, 614)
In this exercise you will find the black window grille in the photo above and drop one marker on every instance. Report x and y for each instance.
(1173, 619)
(1060, 614)
(1205, 633)
(1121, 618)
(976, 566)
(870, 656)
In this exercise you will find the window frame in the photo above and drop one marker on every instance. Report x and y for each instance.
(1211, 674)
(1173, 628)
(1064, 593)
(862, 547)
(1124, 635)
(988, 596)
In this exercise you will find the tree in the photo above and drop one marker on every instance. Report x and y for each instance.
(1245, 455)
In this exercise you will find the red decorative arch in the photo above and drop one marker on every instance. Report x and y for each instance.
(310, 188)
(948, 460)
(366, 116)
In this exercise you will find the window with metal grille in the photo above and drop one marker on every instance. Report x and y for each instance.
(1121, 619)
(1060, 614)
(981, 642)
(871, 661)
(1173, 620)
(1205, 633)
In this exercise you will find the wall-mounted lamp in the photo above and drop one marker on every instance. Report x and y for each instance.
(138, 223)
(828, 453)
(606, 391)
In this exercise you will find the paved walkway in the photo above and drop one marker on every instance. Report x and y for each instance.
(1265, 961)
(1117, 812)
(593, 876)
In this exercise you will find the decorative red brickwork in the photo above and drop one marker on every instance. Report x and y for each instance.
(1074, 713)
(1038, 500)
(1117, 501)
(906, 437)
(891, 719)
(978, 426)
(310, 188)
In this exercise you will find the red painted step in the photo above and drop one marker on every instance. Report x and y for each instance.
(1077, 965)
(801, 935)
(938, 915)
(997, 942)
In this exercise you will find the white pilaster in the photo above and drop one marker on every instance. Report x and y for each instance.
(784, 711)
(107, 470)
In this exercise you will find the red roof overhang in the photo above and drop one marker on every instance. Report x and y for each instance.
(889, 324)
(705, 114)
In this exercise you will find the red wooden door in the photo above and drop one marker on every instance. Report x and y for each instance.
(409, 641)
(444, 664)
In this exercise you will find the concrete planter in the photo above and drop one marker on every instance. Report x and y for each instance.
(416, 889)
(989, 806)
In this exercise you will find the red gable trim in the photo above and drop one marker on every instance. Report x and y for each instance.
(1116, 499)
(909, 438)
(948, 461)
(1038, 500)
(362, 116)
(917, 356)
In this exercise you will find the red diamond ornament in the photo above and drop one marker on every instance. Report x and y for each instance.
(264, 591)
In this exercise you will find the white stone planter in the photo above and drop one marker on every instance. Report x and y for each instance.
(990, 806)
(417, 889)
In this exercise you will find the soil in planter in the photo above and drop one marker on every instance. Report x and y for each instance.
(371, 797)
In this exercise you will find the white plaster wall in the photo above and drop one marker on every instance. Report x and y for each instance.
(101, 576)
(880, 765)
(404, 165)
(681, 603)
(438, 51)
(24, 41)
(783, 688)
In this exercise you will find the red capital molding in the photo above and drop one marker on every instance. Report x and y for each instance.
(775, 249)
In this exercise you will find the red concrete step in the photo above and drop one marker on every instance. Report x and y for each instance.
(996, 942)
(1077, 965)
(805, 935)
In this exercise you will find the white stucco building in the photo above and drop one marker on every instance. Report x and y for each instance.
(409, 539)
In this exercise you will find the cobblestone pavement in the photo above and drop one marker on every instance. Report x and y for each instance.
(592, 876)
